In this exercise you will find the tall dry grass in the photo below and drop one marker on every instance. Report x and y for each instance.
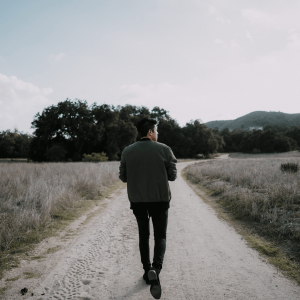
(32, 195)
(290, 154)
(257, 189)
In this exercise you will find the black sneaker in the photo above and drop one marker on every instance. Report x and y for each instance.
(155, 288)
(145, 277)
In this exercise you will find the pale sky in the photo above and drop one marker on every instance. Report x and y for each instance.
(213, 60)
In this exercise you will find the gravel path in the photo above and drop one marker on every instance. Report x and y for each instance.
(205, 258)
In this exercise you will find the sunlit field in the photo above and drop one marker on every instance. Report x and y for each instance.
(33, 195)
(257, 189)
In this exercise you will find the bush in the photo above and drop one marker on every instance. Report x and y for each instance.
(95, 157)
(289, 168)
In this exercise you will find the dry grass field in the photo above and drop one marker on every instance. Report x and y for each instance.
(259, 200)
(34, 196)
(257, 189)
(291, 154)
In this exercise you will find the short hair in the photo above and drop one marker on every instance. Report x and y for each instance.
(144, 125)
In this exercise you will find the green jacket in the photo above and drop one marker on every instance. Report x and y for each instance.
(147, 166)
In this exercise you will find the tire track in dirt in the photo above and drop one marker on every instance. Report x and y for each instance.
(86, 266)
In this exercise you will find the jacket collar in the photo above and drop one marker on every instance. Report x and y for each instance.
(144, 139)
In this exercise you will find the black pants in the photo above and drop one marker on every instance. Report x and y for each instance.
(160, 222)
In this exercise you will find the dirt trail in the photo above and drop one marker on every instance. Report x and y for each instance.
(205, 258)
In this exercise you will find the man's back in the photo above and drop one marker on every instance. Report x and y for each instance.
(147, 166)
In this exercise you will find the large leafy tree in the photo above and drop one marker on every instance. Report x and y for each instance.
(171, 134)
(119, 136)
(68, 125)
(71, 128)
(160, 114)
(294, 133)
(201, 140)
(119, 128)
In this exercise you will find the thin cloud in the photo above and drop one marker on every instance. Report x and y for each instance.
(293, 38)
(234, 45)
(143, 94)
(222, 20)
(218, 41)
(57, 57)
(258, 16)
(20, 101)
(218, 15)
(249, 36)
(212, 10)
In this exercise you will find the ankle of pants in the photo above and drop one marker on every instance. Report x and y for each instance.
(159, 253)
(157, 267)
(147, 267)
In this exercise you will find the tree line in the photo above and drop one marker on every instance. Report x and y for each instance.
(14, 144)
(70, 129)
(271, 139)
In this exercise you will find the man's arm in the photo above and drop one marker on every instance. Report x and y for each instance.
(171, 165)
(122, 169)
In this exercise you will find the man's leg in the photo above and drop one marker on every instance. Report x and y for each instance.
(142, 218)
(160, 222)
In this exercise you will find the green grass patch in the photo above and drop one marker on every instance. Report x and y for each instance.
(68, 236)
(262, 246)
(53, 249)
(275, 256)
(2, 290)
(38, 257)
(28, 275)
(269, 248)
(12, 279)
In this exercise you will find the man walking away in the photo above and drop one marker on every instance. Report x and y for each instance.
(147, 166)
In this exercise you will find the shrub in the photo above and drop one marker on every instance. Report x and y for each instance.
(289, 168)
(256, 151)
(95, 157)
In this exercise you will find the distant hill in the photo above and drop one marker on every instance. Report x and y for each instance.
(257, 119)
